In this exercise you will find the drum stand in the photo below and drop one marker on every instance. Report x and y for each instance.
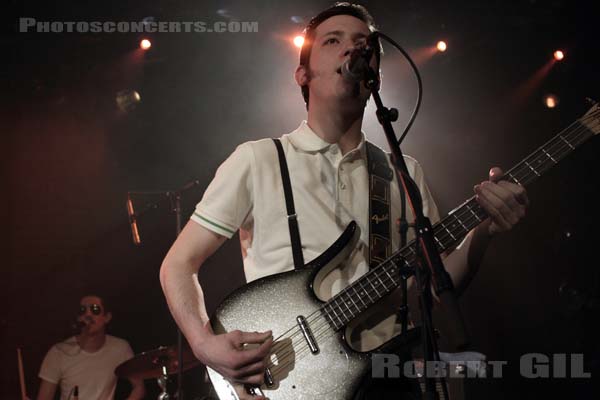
(162, 383)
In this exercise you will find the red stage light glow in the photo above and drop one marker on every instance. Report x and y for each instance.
(145, 44)
(299, 41)
(551, 101)
(559, 55)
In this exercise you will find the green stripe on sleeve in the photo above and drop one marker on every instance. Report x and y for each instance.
(213, 223)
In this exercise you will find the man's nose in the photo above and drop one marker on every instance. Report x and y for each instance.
(350, 48)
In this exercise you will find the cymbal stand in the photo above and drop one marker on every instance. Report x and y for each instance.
(162, 383)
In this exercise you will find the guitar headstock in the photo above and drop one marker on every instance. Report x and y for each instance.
(591, 119)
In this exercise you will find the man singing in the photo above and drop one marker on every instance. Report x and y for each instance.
(328, 166)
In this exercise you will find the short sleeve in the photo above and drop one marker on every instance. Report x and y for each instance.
(227, 201)
(430, 209)
(127, 352)
(51, 370)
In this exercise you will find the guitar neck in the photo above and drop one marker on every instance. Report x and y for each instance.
(448, 233)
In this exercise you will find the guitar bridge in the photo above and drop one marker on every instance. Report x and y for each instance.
(268, 378)
(308, 335)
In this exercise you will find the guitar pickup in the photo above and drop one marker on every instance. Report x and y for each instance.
(308, 335)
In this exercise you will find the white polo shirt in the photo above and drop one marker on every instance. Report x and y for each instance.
(68, 365)
(330, 190)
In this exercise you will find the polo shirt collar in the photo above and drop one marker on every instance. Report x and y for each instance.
(305, 139)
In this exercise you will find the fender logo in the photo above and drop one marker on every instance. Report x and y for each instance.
(379, 219)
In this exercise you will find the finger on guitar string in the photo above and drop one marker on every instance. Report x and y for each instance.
(297, 354)
(250, 373)
(243, 393)
(495, 207)
(246, 338)
(291, 346)
(227, 354)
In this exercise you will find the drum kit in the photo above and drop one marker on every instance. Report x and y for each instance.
(157, 364)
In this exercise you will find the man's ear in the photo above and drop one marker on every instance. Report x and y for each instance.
(108, 317)
(301, 75)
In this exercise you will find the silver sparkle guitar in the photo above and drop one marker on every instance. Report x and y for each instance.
(310, 357)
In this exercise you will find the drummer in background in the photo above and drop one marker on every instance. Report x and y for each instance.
(87, 361)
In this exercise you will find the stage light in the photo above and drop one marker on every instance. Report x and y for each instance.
(145, 44)
(559, 55)
(127, 100)
(298, 41)
(441, 46)
(551, 101)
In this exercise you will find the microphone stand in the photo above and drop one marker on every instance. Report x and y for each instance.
(175, 203)
(426, 251)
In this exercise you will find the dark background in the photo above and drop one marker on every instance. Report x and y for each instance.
(70, 156)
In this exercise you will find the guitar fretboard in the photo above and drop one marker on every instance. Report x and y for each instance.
(382, 280)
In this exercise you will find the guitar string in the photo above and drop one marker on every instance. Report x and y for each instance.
(443, 235)
(526, 170)
(468, 215)
(315, 315)
(331, 304)
(320, 330)
(542, 151)
(318, 327)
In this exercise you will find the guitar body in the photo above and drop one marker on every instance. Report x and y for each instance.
(310, 358)
(273, 303)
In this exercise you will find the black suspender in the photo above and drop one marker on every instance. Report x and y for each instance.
(291, 210)
(380, 176)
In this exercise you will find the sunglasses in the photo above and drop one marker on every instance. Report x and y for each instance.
(95, 309)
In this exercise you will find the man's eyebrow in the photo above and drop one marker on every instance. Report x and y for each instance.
(358, 35)
(334, 33)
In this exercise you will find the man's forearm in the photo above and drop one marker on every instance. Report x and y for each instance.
(138, 390)
(463, 263)
(185, 298)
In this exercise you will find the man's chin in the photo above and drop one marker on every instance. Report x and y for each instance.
(354, 100)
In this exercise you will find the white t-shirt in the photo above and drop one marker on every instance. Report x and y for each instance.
(69, 365)
(330, 190)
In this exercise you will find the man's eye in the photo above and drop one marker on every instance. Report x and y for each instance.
(331, 40)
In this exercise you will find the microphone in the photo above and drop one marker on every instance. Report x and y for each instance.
(354, 68)
(78, 325)
(133, 221)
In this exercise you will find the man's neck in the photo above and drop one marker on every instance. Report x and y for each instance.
(333, 126)
(91, 342)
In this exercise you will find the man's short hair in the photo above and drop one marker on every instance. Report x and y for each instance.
(340, 8)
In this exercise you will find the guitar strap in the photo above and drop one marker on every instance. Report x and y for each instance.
(380, 176)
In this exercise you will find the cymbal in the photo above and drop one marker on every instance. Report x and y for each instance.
(149, 364)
